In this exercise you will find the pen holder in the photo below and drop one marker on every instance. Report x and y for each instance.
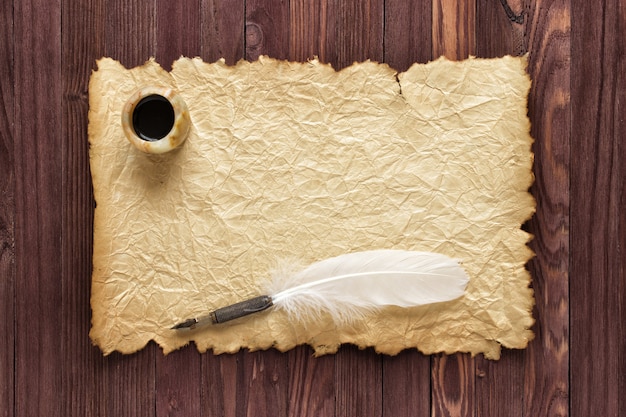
(156, 120)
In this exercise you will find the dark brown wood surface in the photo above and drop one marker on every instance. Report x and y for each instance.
(575, 366)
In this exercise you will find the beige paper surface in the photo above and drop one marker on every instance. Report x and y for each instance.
(295, 160)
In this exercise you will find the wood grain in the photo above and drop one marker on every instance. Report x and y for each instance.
(407, 39)
(358, 32)
(7, 214)
(359, 378)
(620, 337)
(38, 179)
(223, 36)
(454, 29)
(245, 384)
(453, 386)
(177, 31)
(178, 388)
(311, 24)
(453, 378)
(266, 382)
(538, 387)
(312, 385)
(499, 386)
(130, 31)
(84, 32)
(338, 33)
(223, 390)
(501, 28)
(267, 29)
(408, 33)
(546, 379)
(357, 35)
(598, 263)
(575, 367)
(128, 382)
(406, 385)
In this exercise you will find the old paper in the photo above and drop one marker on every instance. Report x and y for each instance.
(296, 160)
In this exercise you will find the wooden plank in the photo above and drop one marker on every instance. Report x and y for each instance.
(500, 27)
(408, 33)
(356, 35)
(359, 380)
(620, 337)
(246, 384)
(453, 377)
(267, 29)
(117, 385)
(223, 392)
(38, 208)
(267, 379)
(598, 264)
(406, 385)
(310, 21)
(339, 33)
(178, 31)
(406, 377)
(7, 213)
(453, 385)
(358, 31)
(312, 386)
(82, 30)
(547, 357)
(127, 383)
(532, 382)
(453, 29)
(178, 383)
(499, 387)
(223, 23)
(130, 31)
(178, 380)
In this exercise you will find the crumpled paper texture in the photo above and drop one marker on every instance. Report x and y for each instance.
(298, 161)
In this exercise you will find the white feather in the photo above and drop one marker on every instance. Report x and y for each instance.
(348, 286)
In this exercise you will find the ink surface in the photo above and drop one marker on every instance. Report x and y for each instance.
(153, 117)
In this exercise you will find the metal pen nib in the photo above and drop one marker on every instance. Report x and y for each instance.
(187, 324)
(227, 313)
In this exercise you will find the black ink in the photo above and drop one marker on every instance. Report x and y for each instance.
(153, 118)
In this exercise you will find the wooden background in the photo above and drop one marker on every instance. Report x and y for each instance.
(576, 365)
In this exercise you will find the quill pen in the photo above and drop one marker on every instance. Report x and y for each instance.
(348, 286)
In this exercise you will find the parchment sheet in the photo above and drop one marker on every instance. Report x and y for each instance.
(298, 161)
